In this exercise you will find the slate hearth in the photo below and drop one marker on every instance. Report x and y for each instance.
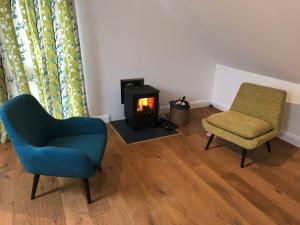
(146, 133)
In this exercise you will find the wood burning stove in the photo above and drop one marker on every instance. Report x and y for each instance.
(140, 104)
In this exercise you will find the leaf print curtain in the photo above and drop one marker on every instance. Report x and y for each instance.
(40, 54)
(3, 99)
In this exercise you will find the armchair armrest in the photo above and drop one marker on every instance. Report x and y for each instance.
(80, 126)
(57, 161)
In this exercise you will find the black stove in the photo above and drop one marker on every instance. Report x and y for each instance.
(141, 103)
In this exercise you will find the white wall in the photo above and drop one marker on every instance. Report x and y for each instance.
(228, 80)
(137, 38)
(257, 36)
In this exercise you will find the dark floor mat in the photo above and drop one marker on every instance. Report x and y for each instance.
(142, 134)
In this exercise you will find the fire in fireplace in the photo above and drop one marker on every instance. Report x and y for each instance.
(140, 103)
(145, 105)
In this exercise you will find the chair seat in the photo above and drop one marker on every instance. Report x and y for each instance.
(92, 145)
(240, 124)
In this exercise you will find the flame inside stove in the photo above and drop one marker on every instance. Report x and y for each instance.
(145, 104)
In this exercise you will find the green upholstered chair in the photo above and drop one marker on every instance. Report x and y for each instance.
(253, 119)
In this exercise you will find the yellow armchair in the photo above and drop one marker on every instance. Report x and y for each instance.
(253, 119)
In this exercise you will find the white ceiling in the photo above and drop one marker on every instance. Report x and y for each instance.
(260, 36)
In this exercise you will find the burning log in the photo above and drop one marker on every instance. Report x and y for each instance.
(180, 104)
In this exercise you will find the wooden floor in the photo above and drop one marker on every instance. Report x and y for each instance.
(166, 181)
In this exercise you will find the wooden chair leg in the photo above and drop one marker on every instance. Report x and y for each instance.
(209, 141)
(34, 185)
(243, 157)
(87, 189)
(268, 146)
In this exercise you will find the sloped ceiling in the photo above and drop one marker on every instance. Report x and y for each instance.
(260, 36)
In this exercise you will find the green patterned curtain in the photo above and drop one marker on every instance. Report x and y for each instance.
(41, 55)
(3, 99)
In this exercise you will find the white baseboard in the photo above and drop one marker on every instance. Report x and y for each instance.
(104, 117)
(200, 103)
(193, 104)
(290, 138)
(219, 105)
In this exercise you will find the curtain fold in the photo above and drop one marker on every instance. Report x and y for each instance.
(11, 47)
(41, 55)
(46, 35)
(3, 99)
(71, 60)
(30, 21)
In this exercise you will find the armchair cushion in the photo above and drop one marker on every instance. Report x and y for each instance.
(57, 161)
(92, 145)
(240, 124)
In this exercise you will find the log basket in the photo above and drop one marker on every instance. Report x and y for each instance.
(178, 115)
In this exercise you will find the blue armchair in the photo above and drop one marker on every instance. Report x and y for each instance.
(46, 146)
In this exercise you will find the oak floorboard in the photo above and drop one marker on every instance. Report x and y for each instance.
(8, 164)
(251, 213)
(274, 210)
(284, 182)
(193, 198)
(46, 209)
(74, 202)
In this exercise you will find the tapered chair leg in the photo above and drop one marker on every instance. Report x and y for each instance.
(34, 185)
(87, 189)
(243, 157)
(209, 141)
(268, 146)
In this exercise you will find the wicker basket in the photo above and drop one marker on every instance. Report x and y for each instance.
(179, 116)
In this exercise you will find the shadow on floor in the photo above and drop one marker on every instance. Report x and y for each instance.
(281, 152)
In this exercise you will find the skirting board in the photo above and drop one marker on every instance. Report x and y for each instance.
(285, 135)
(290, 138)
(193, 104)
(219, 106)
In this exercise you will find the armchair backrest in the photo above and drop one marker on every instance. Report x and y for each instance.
(25, 121)
(262, 102)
